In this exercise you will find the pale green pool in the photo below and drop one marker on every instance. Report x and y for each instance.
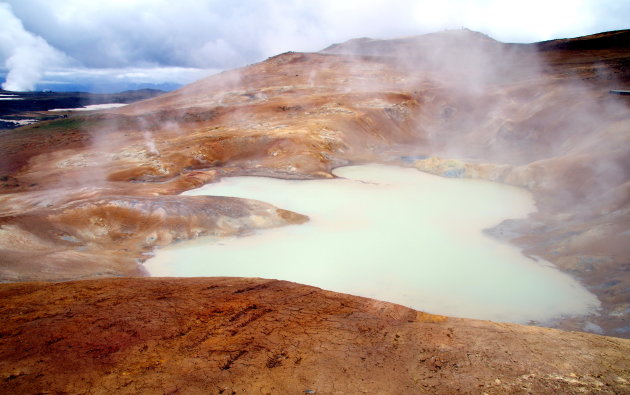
(393, 234)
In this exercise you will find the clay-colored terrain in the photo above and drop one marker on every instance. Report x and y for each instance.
(89, 196)
(250, 336)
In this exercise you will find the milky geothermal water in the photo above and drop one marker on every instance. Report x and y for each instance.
(393, 234)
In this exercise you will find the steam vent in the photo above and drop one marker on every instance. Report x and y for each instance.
(97, 206)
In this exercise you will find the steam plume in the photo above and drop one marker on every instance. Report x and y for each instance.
(26, 54)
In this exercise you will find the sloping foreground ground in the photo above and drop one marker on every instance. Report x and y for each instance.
(251, 336)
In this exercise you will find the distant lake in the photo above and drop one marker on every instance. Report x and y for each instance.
(393, 234)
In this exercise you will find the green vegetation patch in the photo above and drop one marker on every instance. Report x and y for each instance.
(66, 123)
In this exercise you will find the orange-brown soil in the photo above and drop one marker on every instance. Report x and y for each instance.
(102, 235)
(89, 196)
(245, 336)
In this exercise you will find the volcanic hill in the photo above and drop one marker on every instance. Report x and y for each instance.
(87, 197)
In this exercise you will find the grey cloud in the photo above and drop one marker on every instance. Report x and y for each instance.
(144, 33)
(215, 34)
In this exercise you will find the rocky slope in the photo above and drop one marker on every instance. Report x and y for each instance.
(76, 238)
(245, 336)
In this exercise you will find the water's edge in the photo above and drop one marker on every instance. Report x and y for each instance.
(477, 289)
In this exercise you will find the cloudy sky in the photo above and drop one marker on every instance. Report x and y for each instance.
(109, 45)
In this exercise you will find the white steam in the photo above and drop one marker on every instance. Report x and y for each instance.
(27, 55)
(150, 143)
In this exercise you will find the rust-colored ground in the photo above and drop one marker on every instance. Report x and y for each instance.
(246, 336)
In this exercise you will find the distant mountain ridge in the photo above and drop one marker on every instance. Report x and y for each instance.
(18, 106)
(384, 47)
(617, 39)
(450, 47)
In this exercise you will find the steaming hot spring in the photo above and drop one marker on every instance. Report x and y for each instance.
(389, 233)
